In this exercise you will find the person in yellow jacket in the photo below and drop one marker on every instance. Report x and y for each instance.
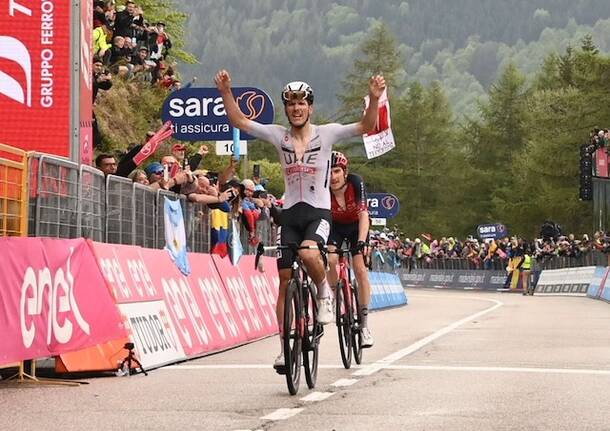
(526, 270)
(100, 41)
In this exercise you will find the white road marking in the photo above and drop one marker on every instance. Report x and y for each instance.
(502, 369)
(238, 367)
(317, 396)
(282, 414)
(390, 359)
(344, 382)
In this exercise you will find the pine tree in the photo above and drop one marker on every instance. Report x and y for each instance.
(380, 55)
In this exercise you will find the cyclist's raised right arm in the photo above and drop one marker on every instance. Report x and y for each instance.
(236, 117)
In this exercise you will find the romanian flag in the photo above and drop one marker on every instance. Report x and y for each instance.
(219, 235)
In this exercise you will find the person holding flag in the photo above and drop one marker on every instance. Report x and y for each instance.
(304, 150)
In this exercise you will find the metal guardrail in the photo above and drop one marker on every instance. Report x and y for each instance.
(13, 191)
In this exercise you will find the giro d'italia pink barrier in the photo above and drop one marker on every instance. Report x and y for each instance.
(81, 301)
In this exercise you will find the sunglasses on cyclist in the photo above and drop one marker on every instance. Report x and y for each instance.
(295, 95)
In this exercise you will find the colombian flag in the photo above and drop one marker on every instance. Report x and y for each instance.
(219, 235)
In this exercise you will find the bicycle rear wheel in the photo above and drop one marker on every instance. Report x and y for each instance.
(292, 337)
(356, 327)
(311, 337)
(344, 324)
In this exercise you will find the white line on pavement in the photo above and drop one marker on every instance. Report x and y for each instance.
(388, 360)
(282, 414)
(317, 396)
(344, 382)
(237, 367)
(501, 369)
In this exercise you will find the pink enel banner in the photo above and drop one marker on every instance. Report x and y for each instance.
(53, 299)
(248, 307)
(263, 288)
(201, 312)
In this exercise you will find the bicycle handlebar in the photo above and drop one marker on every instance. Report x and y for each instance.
(261, 249)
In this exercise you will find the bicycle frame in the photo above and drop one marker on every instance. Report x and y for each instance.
(300, 320)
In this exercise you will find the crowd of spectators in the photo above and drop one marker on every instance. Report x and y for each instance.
(126, 45)
(393, 249)
(130, 46)
(245, 200)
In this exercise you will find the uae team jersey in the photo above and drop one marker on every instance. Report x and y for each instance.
(355, 201)
(307, 179)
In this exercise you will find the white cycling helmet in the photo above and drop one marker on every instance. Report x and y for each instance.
(297, 90)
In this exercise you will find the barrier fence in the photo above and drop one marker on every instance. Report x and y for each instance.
(588, 258)
(13, 191)
(68, 200)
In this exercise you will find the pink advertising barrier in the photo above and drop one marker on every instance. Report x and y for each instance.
(253, 311)
(171, 317)
(53, 299)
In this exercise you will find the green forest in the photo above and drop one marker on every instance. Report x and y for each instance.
(490, 100)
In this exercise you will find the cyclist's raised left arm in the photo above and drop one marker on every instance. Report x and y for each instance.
(376, 88)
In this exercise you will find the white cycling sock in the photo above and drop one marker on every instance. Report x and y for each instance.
(324, 289)
(364, 314)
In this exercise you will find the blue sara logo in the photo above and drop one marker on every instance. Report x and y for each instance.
(383, 205)
(492, 231)
(198, 114)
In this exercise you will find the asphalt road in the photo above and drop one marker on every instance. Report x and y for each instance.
(448, 361)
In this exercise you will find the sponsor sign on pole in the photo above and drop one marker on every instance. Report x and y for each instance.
(492, 231)
(382, 205)
(227, 148)
(380, 140)
(198, 114)
(35, 75)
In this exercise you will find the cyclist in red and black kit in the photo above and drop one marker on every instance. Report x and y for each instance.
(350, 222)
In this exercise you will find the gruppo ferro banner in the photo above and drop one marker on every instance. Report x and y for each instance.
(35, 75)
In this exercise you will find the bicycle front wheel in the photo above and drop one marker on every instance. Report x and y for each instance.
(344, 324)
(356, 324)
(292, 336)
(311, 337)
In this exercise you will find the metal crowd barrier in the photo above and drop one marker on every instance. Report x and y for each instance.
(589, 258)
(91, 194)
(67, 200)
(13, 191)
(56, 197)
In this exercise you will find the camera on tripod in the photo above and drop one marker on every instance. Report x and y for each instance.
(125, 368)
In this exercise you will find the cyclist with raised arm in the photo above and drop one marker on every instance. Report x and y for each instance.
(304, 150)
(350, 222)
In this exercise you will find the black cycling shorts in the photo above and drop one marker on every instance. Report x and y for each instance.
(344, 232)
(299, 223)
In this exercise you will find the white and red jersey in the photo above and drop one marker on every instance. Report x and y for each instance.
(307, 179)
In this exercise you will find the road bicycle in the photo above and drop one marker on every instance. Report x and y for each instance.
(347, 305)
(301, 331)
